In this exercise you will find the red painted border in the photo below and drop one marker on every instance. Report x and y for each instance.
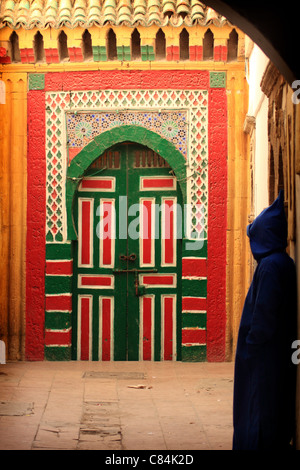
(59, 302)
(106, 328)
(86, 310)
(58, 338)
(127, 79)
(59, 268)
(217, 225)
(147, 328)
(35, 242)
(217, 212)
(193, 336)
(194, 304)
(194, 267)
(86, 235)
(168, 312)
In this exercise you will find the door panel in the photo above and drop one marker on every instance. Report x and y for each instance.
(106, 232)
(85, 232)
(127, 297)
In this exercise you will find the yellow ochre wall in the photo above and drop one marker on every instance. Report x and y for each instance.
(13, 140)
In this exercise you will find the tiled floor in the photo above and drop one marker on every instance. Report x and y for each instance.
(116, 406)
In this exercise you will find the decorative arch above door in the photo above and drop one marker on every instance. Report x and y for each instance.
(97, 147)
(127, 260)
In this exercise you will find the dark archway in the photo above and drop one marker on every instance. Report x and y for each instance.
(274, 30)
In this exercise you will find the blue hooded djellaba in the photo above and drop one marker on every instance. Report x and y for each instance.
(265, 376)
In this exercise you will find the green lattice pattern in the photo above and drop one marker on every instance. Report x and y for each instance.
(192, 102)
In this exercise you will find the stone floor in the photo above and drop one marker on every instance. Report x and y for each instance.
(116, 406)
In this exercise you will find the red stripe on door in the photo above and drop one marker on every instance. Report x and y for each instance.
(84, 330)
(169, 232)
(169, 327)
(158, 183)
(147, 327)
(85, 232)
(160, 280)
(97, 184)
(106, 331)
(147, 235)
(85, 281)
(107, 232)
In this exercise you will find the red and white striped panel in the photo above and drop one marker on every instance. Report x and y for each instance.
(84, 324)
(98, 184)
(147, 232)
(169, 232)
(95, 281)
(147, 328)
(158, 280)
(85, 232)
(106, 231)
(158, 183)
(106, 321)
(168, 327)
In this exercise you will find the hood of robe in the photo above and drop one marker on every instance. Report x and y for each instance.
(268, 232)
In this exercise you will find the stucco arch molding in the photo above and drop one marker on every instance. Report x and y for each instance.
(107, 139)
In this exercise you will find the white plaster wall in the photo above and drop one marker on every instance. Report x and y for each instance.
(258, 108)
(261, 166)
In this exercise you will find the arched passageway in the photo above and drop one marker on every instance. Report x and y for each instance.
(273, 31)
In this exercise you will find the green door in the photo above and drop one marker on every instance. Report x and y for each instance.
(127, 265)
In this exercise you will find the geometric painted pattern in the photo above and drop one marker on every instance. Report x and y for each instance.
(74, 118)
(83, 127)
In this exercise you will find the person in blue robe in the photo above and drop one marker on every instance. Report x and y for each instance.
(265, 375)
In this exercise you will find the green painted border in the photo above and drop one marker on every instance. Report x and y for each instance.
(194, 248)
(36, 81)
(58, 284)
(147, 53)
(194, 287)
(57, 353)
(59, 251)
(57, 320)
(102, 142)
(194, 320)
(217, 79)
(194, 353)
(99, 53)
(124, 53)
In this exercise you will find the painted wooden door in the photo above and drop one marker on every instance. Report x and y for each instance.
(127, 297)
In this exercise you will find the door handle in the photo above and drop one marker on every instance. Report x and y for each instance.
(139, 290)
(131, 257)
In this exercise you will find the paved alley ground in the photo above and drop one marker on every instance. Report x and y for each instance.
(116, 406)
